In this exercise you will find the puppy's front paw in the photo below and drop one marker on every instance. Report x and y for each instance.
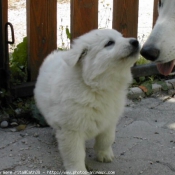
(105, 156)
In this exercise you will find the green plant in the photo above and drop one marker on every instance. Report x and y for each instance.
(68, 35)
(37, 115)
(146, 84)
(3, 93)
(18, 63)
(4, 96)
(24, 110)
(141, 61)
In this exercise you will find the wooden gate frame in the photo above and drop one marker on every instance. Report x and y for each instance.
(41, 32)
(3, 21)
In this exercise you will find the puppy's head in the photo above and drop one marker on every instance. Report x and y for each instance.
(160, 45)
(102, 52)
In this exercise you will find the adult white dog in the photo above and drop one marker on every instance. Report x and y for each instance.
(81, 93)
(160, 46)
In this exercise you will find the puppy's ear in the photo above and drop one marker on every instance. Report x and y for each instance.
(75, 56)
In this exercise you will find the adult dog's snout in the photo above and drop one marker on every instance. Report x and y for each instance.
(150, 52)
(134, 43)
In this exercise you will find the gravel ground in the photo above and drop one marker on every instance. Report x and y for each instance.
(17, 15)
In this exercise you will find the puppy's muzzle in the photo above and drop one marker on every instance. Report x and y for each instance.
(150, 52)
(135, 45)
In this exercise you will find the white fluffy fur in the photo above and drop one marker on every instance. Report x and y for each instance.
(83, 98)
(162, 36)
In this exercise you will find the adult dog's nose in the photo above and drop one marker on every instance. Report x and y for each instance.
(150, 52)
(134, 43)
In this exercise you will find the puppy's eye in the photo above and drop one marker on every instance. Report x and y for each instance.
(110, 43)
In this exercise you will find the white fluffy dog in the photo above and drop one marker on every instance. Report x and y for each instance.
(81, 93)
(160, 45)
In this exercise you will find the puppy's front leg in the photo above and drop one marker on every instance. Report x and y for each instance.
(103, 143)
(72, 149)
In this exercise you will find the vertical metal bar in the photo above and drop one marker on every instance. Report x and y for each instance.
(8, 24)
(7, 42)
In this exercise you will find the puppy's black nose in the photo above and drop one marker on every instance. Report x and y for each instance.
(134, 43)
(150, 52)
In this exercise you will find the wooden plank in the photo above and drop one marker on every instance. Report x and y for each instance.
(41, 32)
(23, 90)
(155, 11)
(26, 89)
(84, 16)
(144, 70)
(3, 55)
(125, 17)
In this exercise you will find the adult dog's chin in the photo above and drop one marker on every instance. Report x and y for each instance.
(166, 68)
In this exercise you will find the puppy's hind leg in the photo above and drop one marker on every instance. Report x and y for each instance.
(72, 149)
(103, 145)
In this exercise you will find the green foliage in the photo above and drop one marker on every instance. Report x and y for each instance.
(141, 61)
(3, 93)
(68, 33)
(18, 63)
(37, 115)
(146, 84)
(4, 96)
(27, 110)
(147, 87)
(63, 31)
(163, 84)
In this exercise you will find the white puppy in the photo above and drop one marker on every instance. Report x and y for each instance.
(81, 93)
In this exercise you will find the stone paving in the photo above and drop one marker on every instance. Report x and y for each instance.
(144, 144)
